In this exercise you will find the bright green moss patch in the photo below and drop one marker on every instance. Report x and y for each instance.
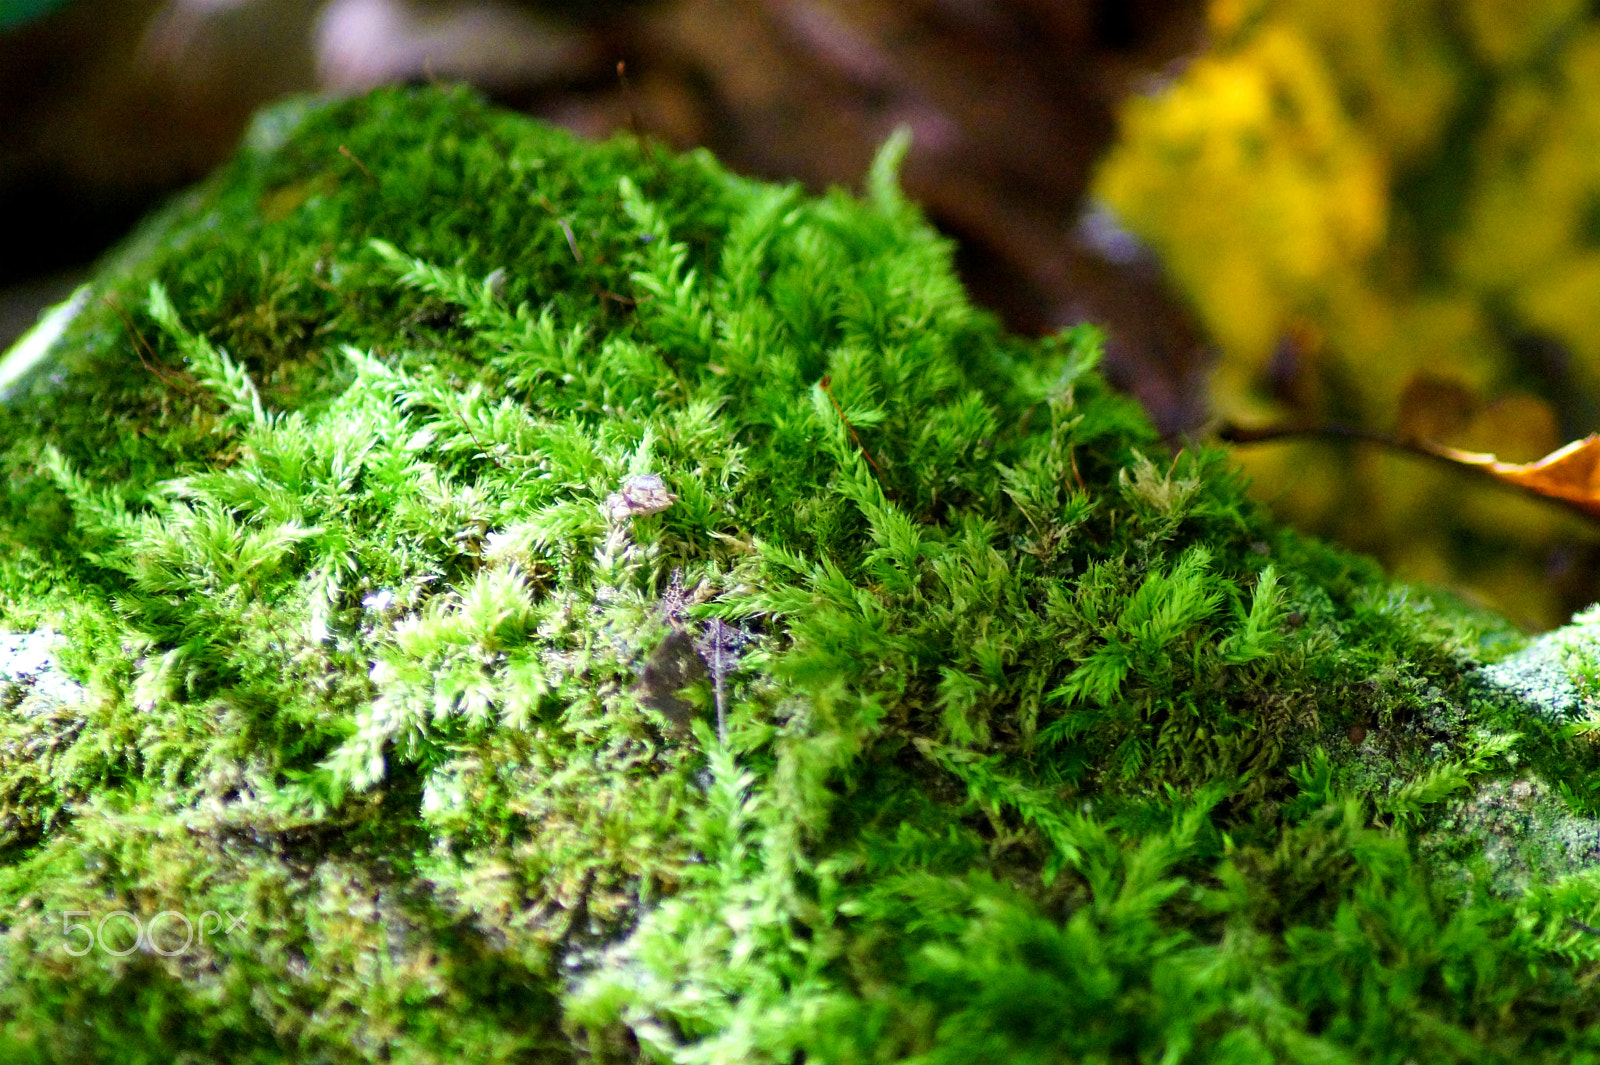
(549, 600)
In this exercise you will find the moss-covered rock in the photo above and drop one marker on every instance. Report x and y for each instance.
(511, 599)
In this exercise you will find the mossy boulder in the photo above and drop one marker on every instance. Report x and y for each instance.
(513, 599)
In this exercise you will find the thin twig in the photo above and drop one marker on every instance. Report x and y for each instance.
(825, 384)
(141, 348)
(1238, 434)
(634, 124)
(348, 154)
(462, 418)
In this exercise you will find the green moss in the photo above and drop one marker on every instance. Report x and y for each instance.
(564, 600)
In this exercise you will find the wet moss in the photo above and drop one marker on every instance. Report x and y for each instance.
(552, 600)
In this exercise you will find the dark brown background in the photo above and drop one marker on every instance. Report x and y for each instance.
(107, 106)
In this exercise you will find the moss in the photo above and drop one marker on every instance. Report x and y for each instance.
(549, 600)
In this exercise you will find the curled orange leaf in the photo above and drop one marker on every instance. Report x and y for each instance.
(1570, 475)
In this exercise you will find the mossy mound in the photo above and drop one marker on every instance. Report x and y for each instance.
(549, 600)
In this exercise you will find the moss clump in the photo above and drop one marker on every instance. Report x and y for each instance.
(551, 600)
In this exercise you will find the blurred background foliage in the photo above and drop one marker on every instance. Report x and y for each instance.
(1387, 215)
(106, 106)
(1382, 214)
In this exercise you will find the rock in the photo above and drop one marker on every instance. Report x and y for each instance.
(373, 706)
(29, 671)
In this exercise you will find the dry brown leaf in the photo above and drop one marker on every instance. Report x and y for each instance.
(1570, 475)
(1435, 407)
